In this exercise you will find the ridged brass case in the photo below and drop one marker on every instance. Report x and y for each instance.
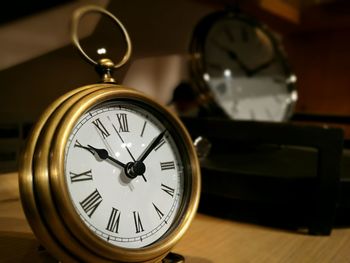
(44, 193)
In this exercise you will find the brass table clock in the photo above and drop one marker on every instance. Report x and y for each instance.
(108, 174)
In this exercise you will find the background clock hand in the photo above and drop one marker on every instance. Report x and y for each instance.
(253, 71)
(103, 154)
(249, 72)
(153, 144)
(239, 62)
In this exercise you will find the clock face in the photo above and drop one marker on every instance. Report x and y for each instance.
(244, 73)
(125, 174)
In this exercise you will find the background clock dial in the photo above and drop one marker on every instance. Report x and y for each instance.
(243, 66)
(124, 211)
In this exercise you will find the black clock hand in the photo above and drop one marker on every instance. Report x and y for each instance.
(250, 72)
(132, 157)
(138, 167)
(103, 154)
(239, 62)
(151, 146)
(253, 71)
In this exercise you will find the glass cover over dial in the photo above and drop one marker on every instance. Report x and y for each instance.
(246, 75)
(125, 174)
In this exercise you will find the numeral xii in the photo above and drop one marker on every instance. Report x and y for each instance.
(123, 122)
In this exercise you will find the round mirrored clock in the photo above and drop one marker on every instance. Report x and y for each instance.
(240, 63)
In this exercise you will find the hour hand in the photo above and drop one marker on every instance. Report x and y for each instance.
(260, 67)
(239, 62)
(248, 71)
(103, 154)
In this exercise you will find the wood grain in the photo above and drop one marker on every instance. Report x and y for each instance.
(208, 240)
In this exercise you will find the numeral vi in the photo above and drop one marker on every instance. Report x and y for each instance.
(113, 222)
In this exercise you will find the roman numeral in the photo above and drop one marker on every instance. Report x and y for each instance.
(138, 223)
(78, 177)
(159, 213)
(113, 222)
(167, 165)
(90, 203)
(162, 141)
(170, 191)
(78, 145)
(101, 128)
(123, 122)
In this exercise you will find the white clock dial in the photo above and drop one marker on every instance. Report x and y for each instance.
(124, 174)
(239, 46)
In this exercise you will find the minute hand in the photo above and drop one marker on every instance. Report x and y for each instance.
(150, 147)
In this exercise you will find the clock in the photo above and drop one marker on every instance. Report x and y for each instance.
(239, 64)
(108, 174)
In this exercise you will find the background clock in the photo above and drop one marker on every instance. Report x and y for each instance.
(239, 62)
(108, 174)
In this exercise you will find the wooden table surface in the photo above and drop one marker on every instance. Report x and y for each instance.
(209, 239)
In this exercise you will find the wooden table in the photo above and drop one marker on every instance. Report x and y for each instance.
(209, 239)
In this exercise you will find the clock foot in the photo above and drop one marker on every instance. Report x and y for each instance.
(45, 256)
(173, 258)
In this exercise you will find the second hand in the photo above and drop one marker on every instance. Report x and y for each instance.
(126, 147)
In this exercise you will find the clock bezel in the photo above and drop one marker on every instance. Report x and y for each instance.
(62, 201)
(198, 66)
(28, 176)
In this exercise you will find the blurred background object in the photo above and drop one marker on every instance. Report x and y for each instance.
(38, 62)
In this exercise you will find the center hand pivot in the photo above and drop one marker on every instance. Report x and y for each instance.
(134, 169)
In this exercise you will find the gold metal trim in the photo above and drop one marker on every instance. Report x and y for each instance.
(79, 13)
(26, 183)
(41, 163)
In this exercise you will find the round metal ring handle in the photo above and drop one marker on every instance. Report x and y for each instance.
(79, 13)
